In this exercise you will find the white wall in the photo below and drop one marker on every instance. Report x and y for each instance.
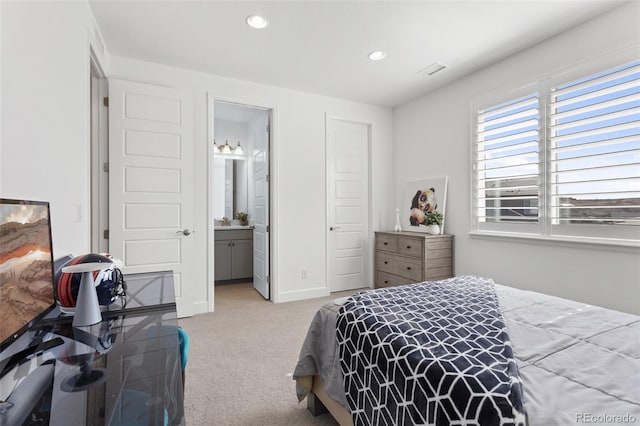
(44, 141)
(298, 174)
(432, 137)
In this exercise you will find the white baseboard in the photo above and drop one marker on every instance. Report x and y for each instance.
(292, 296)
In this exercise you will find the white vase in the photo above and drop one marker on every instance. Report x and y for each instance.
(433, 229)
(397, 228)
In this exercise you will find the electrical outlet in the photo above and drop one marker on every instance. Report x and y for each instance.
(305, 273)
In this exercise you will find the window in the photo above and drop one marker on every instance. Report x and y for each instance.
(561, 160)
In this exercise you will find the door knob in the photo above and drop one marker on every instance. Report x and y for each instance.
(185, 231)
(333, 228)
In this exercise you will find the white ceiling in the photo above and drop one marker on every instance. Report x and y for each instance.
(322, 46)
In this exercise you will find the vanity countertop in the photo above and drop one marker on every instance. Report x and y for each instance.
(232, 227)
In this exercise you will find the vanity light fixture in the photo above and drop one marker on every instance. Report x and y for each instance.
(225, 149)
(377, 55)
(228, 149)
(257, 22)
(238, 150)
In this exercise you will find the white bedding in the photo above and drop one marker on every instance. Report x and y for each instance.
(579, 363)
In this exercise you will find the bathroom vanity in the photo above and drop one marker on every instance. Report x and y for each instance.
(233, 253)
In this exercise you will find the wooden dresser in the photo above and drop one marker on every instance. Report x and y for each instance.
(411, 257)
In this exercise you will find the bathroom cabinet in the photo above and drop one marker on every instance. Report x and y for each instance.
(233, 254)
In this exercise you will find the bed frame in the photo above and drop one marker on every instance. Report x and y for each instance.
(318, 402)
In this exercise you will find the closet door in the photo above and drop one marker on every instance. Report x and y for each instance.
(347, 204)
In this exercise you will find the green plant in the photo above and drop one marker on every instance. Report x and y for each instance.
(433, 218)
(242, 216)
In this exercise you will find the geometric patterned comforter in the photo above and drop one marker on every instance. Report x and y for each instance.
(429, 353)
(579, 363)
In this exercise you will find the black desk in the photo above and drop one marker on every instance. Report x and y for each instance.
(126, 367)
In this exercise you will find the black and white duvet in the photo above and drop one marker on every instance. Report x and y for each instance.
(429, 353)
(578, 363)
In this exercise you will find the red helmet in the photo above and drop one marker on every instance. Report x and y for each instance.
(109, 282)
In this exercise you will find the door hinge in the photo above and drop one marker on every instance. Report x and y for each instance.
(267, 178)
(105, 101)
(105, 167)
(268, 227)
(268, 128)
(268, 279)
(105, 234)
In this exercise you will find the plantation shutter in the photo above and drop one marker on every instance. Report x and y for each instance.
(506, 179)
(595, 149)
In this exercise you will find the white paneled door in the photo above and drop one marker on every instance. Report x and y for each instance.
(151, 182)
(261, 208)
(348, 205)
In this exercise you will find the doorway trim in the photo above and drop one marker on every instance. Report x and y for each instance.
(99, 154)
(273, 194)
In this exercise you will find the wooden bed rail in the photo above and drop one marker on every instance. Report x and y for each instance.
(318, 402)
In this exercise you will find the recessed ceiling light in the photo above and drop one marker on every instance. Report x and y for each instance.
(257, 21)
(377, 55)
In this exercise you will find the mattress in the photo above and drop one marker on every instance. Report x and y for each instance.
(578, 363)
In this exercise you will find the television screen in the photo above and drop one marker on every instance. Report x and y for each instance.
(26, 265)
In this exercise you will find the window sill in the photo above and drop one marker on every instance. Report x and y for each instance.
(568, 240)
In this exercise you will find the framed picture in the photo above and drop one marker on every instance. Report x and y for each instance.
(420, 198)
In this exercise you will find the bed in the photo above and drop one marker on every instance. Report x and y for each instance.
(576, 363)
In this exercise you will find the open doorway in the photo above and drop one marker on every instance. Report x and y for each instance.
(240, 193)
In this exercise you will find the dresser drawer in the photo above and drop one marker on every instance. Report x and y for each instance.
(444, 262)
(385, 261)
(439, 264)
(410, 247)
(438, 273)
(438, 254)
(439, 244)
(387, 243)
(384, 279)
(403, 266)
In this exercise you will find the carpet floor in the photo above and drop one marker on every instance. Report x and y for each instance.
(242, 357)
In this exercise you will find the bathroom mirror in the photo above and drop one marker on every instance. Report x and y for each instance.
(230, 187)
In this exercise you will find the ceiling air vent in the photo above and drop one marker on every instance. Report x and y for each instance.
(432, 69)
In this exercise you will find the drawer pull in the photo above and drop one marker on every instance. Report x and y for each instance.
(386, 281)
(408, 247)
(408, 268)
(385, 262)
(386, 243)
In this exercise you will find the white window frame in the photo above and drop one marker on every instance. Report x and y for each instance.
(545, 229)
